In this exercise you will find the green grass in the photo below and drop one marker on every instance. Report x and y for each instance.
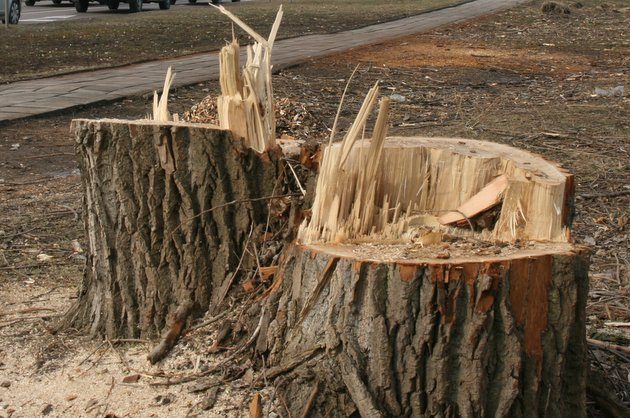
(34, 51)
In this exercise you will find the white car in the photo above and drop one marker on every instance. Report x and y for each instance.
(14, 11)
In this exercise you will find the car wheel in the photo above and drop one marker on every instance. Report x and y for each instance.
(192, 1)
(165, 5)
(30, 2)
(56, 2)
(173, 1)
(113, 4)
(81, 5)
(14, 12)
(135, 6)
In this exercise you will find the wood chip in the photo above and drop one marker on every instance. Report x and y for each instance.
(132, 378)
(255, 407)
(487, 197)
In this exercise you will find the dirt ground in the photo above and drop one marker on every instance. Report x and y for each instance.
(545, 83)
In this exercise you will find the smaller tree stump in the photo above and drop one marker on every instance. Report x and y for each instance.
(168, 211)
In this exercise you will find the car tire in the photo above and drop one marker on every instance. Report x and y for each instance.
(135, 6)
(165, 5)
(15, 9)
(30, 2)
(173, 2)
(81, 6)
(192, 1)
(56, 2)
(113, 4)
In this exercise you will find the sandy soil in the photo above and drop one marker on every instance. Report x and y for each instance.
(521, 78)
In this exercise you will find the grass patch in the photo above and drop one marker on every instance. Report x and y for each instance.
(34, 51)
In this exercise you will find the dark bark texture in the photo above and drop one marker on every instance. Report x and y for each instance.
(163, 229)
(473, 339)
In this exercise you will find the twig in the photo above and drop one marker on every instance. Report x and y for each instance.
(194, 376)
(296, 177)
(608, 194)
(343, 96)
(123, 360)
(56, 154)
(608, 346)
(175, 330)
(209, 321)
(129, 340)
(233, 202)
(283, 402)
(25, 310)
(228, 285)
(311, 400)
(92, 353)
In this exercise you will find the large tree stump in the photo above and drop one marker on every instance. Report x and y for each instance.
(390, 312)
(168, 210)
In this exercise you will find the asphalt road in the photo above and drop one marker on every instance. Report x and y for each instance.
(46, 11)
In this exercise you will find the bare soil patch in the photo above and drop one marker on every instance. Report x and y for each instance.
(530, 82)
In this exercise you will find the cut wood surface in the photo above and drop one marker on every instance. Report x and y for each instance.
(169, 208)
(420, 176)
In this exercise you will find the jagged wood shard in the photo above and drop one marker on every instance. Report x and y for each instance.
(245, 105)
(160, 106)
(417, 176)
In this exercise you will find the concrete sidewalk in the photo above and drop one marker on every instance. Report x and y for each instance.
(36, 97)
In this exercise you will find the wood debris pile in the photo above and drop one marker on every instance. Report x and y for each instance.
(293, 118)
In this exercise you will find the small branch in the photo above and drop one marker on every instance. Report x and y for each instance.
(608, 346)
(171, 337)
(609, 194)
(233, 202)
(228, 285)
(311, 401)
(296, 177)
(209, 321)
(26, 310)
(56, 154)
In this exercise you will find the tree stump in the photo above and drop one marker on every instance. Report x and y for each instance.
(389, 312)
(168, 211)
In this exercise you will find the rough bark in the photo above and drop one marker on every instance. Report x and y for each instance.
(168, 210)
(491, 337)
